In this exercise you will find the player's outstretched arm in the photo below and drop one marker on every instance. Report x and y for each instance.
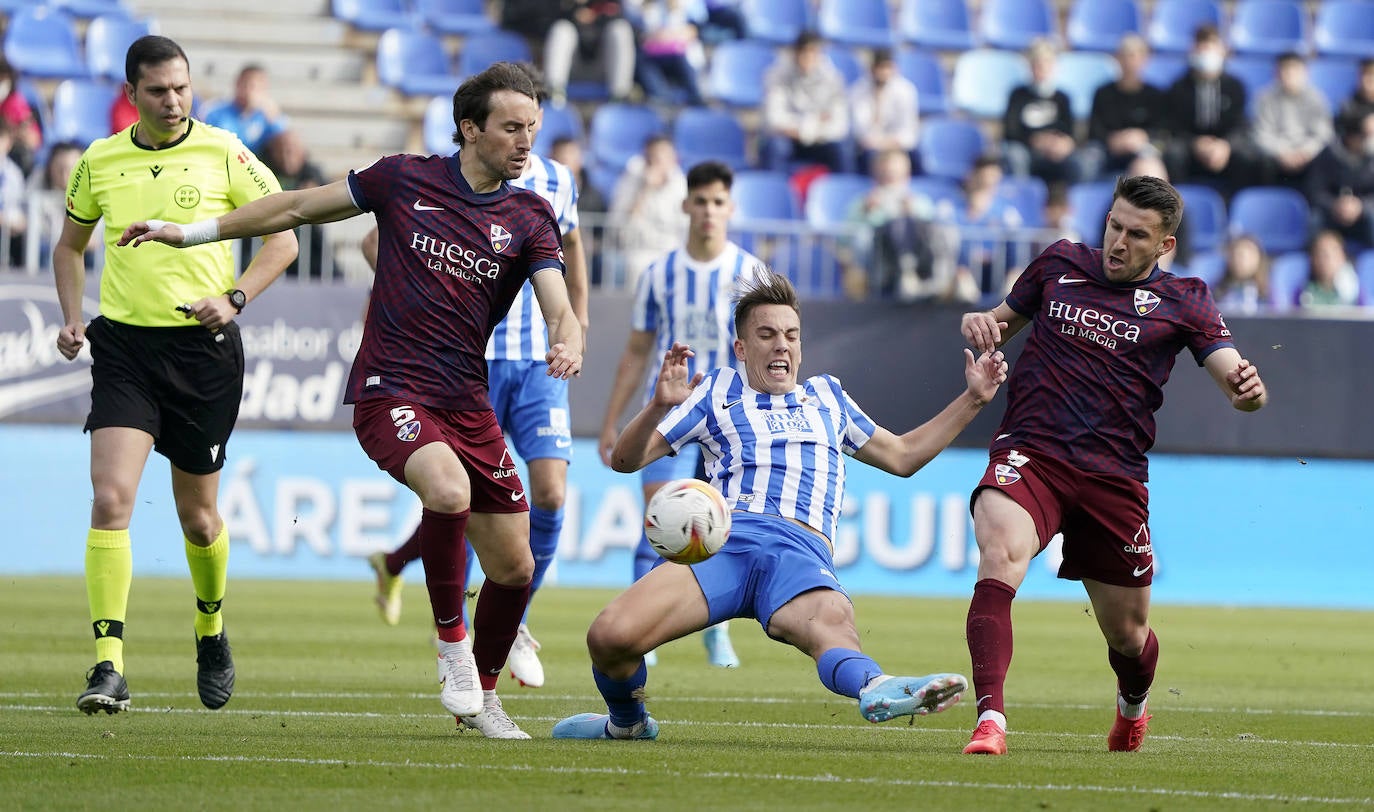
(1238, 378)
(565, 331)
(986, 330)
(628, 374)
(907, 454)
(640, 443)
(69, 272)
(278, 211)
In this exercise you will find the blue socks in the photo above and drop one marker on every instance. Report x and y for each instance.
(545, 527)
(624, 698)
(846, 671)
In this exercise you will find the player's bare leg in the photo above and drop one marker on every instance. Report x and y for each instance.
(1133, 652)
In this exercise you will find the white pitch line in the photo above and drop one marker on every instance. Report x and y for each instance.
(825, 778)
(903, 729)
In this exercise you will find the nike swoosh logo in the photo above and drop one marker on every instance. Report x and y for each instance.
(731, 403)
(562, 443)
(453, 619)
(418, 206)
(981, 698)
(1069, 280)
(1139, 571)
(516, 496)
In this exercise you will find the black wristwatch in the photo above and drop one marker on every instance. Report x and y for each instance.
(237, 298)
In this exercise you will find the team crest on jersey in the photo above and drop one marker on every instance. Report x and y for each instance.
(1145, 301)
(409, 432)
(500, 238)
(1006, 475)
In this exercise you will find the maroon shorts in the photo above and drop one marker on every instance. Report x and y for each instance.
(1104, 517)
(391, 429)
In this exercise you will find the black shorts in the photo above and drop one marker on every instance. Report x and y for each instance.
(180, 384)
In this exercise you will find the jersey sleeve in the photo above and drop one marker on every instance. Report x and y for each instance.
(687, 421)
(249, 178)
(567, 217)
(81, 204)
(644, 313)
(544, 247)
(1207, 330)
(368, 186)
(1027, 293)
(857, 427)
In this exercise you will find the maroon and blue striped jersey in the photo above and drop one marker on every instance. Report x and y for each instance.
(1091, 376)
(449, 263)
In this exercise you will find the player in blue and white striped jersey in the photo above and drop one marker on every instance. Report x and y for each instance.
(686, 296)
(531, 407)
(774, 447)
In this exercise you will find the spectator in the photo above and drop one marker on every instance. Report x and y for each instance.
(251, 114)
(1361, 103)
(670, 54)
(13, 218)
(1205, 110)
(287, 157)
(1340, 183)
(578, 37)
(986, 255)
(50, 186)
(646, 206)
(1038, 126)
(884, 110)
(805, 112)
(898, 248)
(568, 151)
(26, 133)
(1127, 114)
(1244, 283)
(724, 21)
(1331, 278)
(1292, 122)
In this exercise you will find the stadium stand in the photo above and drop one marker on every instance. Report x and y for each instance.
(373, 15)
(465, 17)
(856, 23)
(1364, 268)
(830, 197)
(41, 42)
(1173, 22)
(1268, 27)
(1204, 217)
(1344, 28)
(939, 24)
(1088, 206)
(949, 146)
(560, 121)
(1287, 275)
(983, 80)
(107, 41)
(702, 134)
(81, 110)
(1276, 215)
(1098, 25)
(735, 77)
(923, 69)
(88, 9)
(777, 22)
(1013, 24)
(438, 126)
(494, 46)
(414, 62)
(1080, 73)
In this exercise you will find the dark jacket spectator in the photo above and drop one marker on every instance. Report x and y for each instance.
(1340, 182)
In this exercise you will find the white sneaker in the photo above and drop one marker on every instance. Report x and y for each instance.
(388, 590)
(524, 661)
(492, 722)
(460, 691)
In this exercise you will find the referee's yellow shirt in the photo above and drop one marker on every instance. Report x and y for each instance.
(207, 173)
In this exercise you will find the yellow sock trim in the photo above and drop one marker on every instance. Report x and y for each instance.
(209, 575)
(109, 574)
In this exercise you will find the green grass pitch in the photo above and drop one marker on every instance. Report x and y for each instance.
(1254, 709)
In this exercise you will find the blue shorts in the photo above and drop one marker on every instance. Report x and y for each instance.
(532, 408)
(766, 562)
(665, 469)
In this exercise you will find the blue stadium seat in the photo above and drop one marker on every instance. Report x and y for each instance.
(943, 193)
(1336, 76)
(1256, 72)
(1080, 73)
(560, 121)
(1287, 276)
(777, 22)
(1344, 28)
(762, 195)
(88, 9)
(859, 23)
(1088, 206)
(437, 128)
(1204, 217)
(1028, 196)
(41, 42)
(1013, 24)
(1364, 268)
(1164, 69)
(845, 61)
(1098, 25)
(924, 71)
(735, 76)
(481, 52)
(108, 38)
(617, 133)
(702, 134)
(465, 17)
(1276, 215)
(949, 146)
(81, 110)
(1210, 267)
(984, 78)
(373, 15)
(940, 24)
(1269, 27)
(414, 63)
(830, 197)
(1173, 22)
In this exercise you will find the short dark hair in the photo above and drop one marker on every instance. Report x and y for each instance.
(150, 50)
(1152, 194)
(708, 172)
(806, 38)
(1206, 33)
(541, 90)
(769, 288)
(472, 100)
(1290, 56)
(882, 54)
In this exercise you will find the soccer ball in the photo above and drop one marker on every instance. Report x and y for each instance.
(687, 521)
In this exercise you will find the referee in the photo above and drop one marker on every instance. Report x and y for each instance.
(167, 360)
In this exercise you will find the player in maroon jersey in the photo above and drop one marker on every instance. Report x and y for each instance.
(456, 244)
(1070, 453)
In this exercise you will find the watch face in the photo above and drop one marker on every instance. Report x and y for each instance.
(238, 299)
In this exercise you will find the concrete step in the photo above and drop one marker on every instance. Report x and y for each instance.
(315, 8)
(288, 30)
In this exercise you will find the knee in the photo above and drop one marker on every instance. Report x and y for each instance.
(547, 495)
(446, 497)
(1128, 638)
(609, 640)
(111, 506)
(200, 525)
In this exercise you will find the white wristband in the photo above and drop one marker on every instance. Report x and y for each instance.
(201, 232)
